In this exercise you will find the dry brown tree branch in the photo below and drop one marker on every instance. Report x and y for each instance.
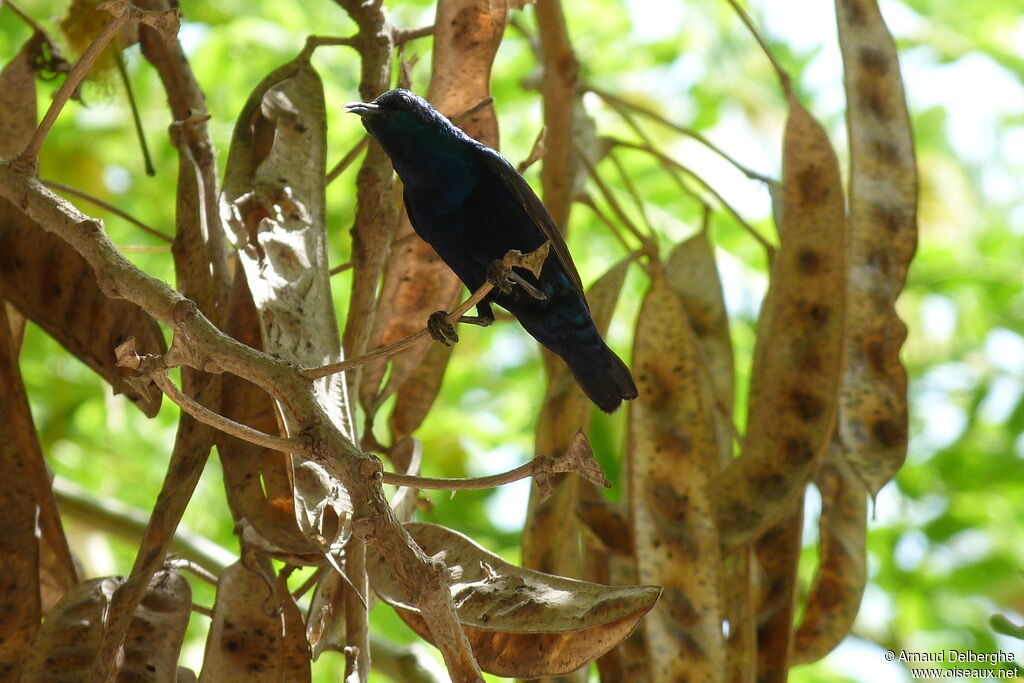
(313, 42)
(67, 189)
(208, 347)
(404, 35)
(341, 268)
(217, 421)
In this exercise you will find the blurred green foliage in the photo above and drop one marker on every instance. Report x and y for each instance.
(946, 546)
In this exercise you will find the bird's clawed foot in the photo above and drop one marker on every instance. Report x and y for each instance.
(440, 329)
(484, 316)
(500, 275)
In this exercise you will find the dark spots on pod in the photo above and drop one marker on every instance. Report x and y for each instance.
(807, 406)
(796, 451)
(873, 61)
(887, 217)
(812, 186)
(769, 484)
(856, 11)
(819, 314)
(873, 99)
(875, 352)
(470, 27)
(809, 261)
(879, 259)
(829, 592)
(888, 432)
(885, 151)
(743, 516)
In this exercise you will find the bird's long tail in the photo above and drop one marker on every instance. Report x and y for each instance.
(603, 376)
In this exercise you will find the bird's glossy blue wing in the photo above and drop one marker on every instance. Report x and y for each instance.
(524, 195)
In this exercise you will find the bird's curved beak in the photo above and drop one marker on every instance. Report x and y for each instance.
(361, 108)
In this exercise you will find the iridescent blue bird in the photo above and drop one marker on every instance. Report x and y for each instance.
(472, 207)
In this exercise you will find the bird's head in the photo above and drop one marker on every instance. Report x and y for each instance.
(397, 112)
(407, 127)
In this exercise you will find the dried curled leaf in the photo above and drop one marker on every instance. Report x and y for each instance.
(51, 285)
(68, 639)
(273, 205)
(157, 630)
(519, 622)
(873, 419)
(798, 358)
(19, 550)
(257, 634)
(71, 634)
(673, 454)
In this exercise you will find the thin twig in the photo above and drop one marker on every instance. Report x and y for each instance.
(67, 189)
(341, 268)
(532, 261)
(664, 158)
(309, 582)
(205, 611)
(469, 483)
(400, 345)
(459, 118)
(28, 157)
(609, 197)
(32, 23)
(404, 35)
(347, 160)
(195, 568)
(144, 249)
(623, 107)
(536, 152)
(578, 458)
(313, 42)
(631, 189)
(136, 119)
(784, 79)
(588, 201)
(228, 426)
